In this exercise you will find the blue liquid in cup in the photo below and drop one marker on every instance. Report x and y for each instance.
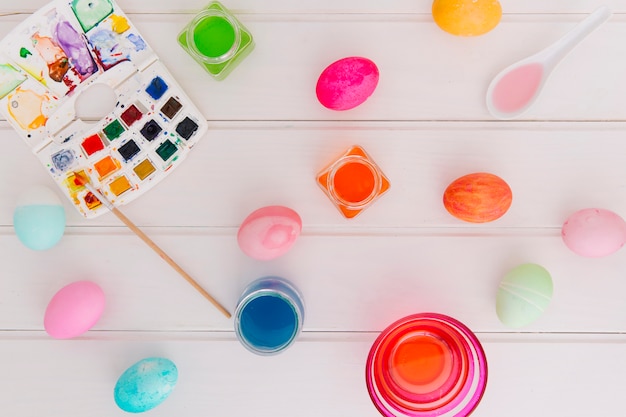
(269, 316)
(268, 322)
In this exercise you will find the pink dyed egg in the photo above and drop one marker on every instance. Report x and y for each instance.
(594, 232)
(269, 232)
(74, 309)
(346, 83)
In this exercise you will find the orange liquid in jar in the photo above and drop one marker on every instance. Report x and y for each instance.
(354, 182)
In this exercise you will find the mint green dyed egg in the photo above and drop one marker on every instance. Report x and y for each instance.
(39, 218)
(523, 295)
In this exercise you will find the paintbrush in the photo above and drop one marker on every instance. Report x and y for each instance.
(82, 180)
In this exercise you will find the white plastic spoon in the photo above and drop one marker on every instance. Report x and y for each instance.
(517, 87)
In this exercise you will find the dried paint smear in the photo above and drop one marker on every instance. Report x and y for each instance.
(26, 107)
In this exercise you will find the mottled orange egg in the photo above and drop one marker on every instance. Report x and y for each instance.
(478, 198)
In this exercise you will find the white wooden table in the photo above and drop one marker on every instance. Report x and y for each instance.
(425, 125)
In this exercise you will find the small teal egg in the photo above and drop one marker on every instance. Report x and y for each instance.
(39, 218)
(145, 384)
(523, 295)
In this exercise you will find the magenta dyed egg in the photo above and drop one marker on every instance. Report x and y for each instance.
(346, 83)
(74, 309)
(269, 232)
(594, 232)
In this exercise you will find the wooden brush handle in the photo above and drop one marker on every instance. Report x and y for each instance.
(169, 260)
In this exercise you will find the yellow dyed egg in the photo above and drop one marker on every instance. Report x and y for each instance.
(467, 17)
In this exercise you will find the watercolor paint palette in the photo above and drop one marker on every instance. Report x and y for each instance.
(60, 53)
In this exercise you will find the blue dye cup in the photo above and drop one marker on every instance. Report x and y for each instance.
(269, 316)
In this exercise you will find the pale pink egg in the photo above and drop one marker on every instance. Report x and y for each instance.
(594, 232)
(269, 232)
(346, 83)
(74, 309)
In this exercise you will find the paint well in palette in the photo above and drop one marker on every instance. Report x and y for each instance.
(71, 182)
(106, 46)
(131, 115)
(129, 150)
(151, 130)
(137, 42)
(157, 88)
(26, 108)
(91, 12)
(106, 166)
(63, 160)
(186, 128)
(76, 50)
(10, 79)
(166, 150)
(113, 130)
(119, 24)
(91, 201)
(56, 60)
(92, 144)
(171, 107)
(144, 169)
(120, 185)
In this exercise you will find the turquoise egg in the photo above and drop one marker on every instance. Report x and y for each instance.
(523, 295)
(145, 384)
(39, 218)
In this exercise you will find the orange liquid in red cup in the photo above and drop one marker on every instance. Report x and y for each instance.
(420, 361)
(426, 365)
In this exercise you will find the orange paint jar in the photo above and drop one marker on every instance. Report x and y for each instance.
(353, 182)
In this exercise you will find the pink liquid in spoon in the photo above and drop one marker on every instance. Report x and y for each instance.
(517, 88)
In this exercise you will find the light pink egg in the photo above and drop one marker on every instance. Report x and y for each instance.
(74, 309)
(269, 232)
(346, 83)
(594, 232)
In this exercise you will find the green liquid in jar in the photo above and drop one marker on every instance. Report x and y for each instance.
(213, 36)
(216, 40)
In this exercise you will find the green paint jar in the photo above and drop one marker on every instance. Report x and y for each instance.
(216, 40)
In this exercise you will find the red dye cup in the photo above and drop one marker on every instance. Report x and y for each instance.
(426, 365)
